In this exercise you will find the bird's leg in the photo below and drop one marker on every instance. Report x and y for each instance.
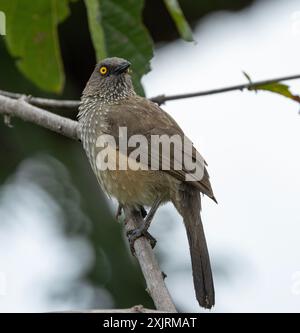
(143, 212)
(119, 211)
(142, 230)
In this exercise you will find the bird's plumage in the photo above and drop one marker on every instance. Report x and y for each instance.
(141, 112)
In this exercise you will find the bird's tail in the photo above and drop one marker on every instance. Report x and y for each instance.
(189, 207)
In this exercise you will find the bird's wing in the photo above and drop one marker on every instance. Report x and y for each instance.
(143, 117)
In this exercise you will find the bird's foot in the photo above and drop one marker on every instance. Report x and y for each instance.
(134, 234)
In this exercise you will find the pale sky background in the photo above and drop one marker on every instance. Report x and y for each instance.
(251, 142)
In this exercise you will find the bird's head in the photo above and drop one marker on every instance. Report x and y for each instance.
(110, 80)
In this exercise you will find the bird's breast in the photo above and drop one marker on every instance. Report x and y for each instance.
(130, 186)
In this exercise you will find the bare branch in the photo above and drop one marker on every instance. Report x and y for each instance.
(155, 282)
(161, 99)
(21, 109)
(154, 277)
(72, 105)
(44, 102)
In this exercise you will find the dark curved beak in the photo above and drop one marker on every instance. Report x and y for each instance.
(122, 67)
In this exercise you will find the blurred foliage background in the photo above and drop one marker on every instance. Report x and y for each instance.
(50, 50)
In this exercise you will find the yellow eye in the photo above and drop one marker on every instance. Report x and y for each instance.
(103, 70)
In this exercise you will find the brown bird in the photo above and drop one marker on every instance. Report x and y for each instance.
(109, 103)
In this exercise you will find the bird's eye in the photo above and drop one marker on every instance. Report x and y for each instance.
(103, 70)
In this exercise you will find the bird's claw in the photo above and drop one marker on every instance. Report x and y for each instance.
(134, 234)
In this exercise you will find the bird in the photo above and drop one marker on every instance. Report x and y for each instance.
(109, 102)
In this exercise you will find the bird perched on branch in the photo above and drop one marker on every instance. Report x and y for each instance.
(108, 104)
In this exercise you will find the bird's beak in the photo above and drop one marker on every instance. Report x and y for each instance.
(122, 67)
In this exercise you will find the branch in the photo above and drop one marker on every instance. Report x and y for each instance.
(161, 99)
(44, 102)
(71, 129)
(21, 109)
(72, 105)
(134, 309)
(155, 283)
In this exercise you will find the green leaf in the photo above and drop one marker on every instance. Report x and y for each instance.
(180, 21)
(32, 38)
(278, 88)
(274, 87)
(117, 31)
(95, 26)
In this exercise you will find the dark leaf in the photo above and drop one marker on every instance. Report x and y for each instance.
(179, 20)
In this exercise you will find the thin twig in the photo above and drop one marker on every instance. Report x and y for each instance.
(71, 129)
(72, 105)
(161, 99)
